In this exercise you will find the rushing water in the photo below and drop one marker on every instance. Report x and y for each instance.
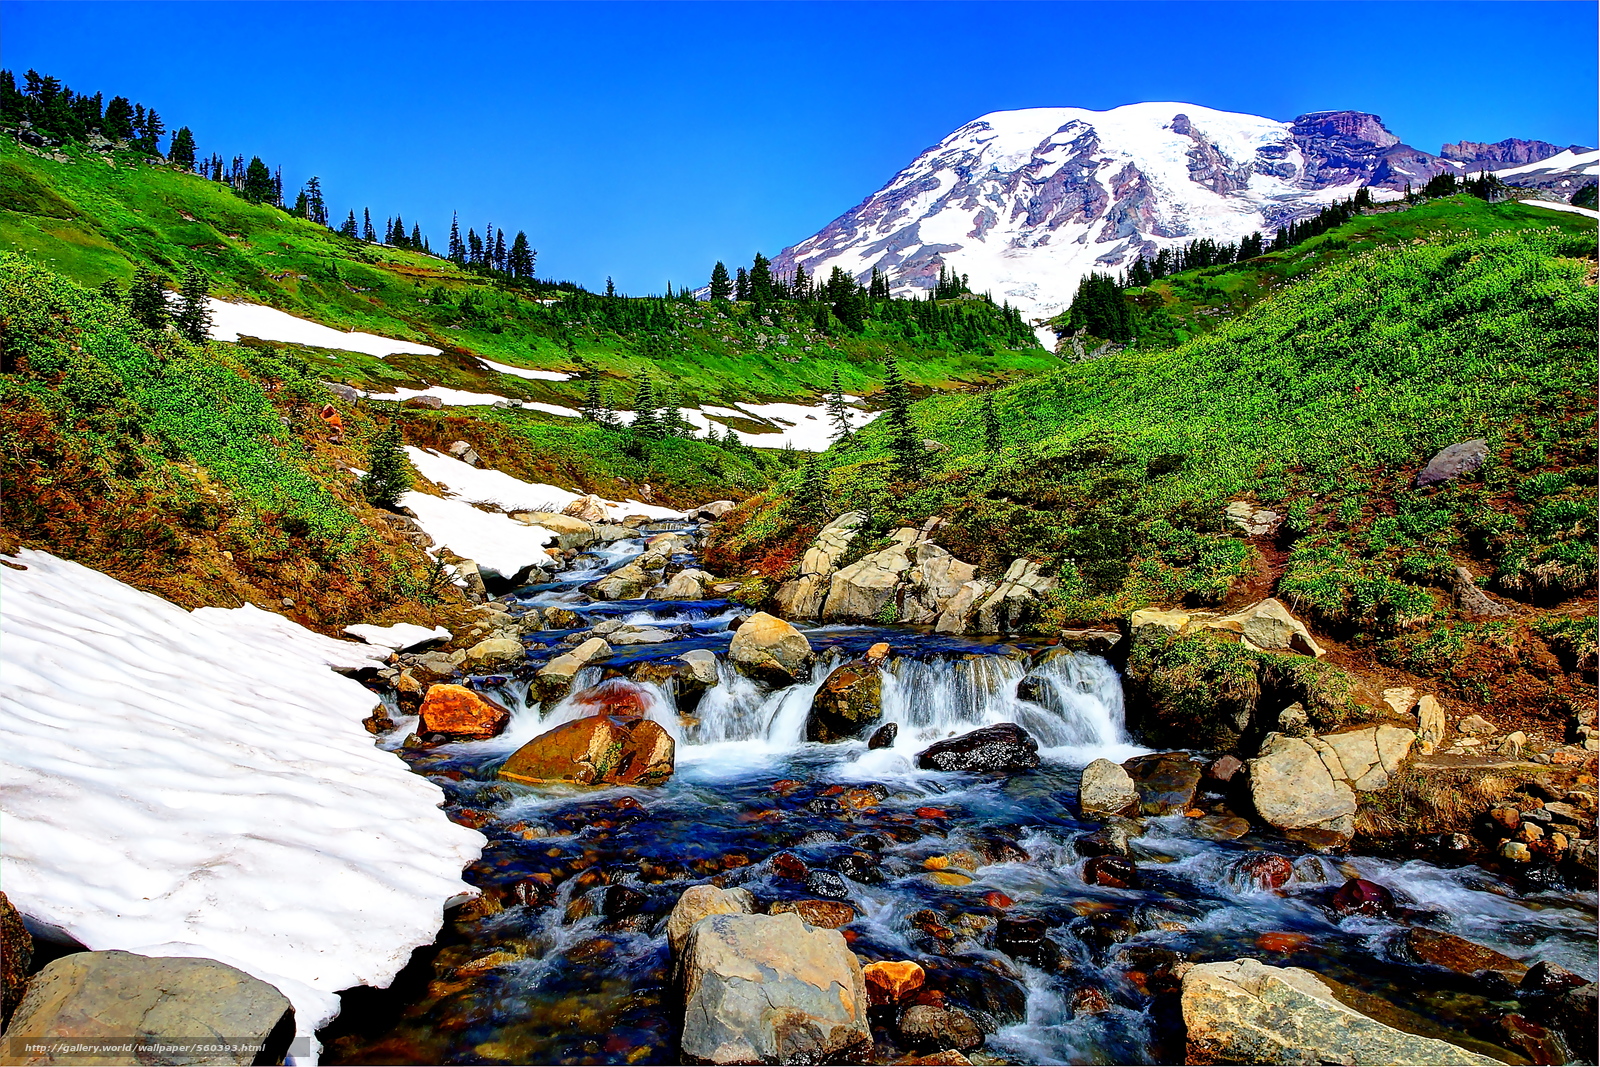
(565, 958)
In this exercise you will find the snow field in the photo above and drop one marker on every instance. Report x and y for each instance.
(229, 322)
(200, 784)
(482, 485)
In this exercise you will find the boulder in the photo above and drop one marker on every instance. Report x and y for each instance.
(1473, 600)
(1452, 953)
(1360, 897)
(460, 714)
(595, 750)
(685, 585)
(1253, 519)
(1013, 607)
(891, 981)
(570, 532)
(16, 957)
(933, 581)
(1294, 789)
(770, 989)
(848, 701)
(1100, 642)
(1269, 627)
(823, 914)
(703, 664)
(589, 508)
(554, 680)
(770, 649)
(866, 588)
(698, 902)
(712, 511)
(1112, 871)
(1401, 699)
(927, 1026)
(1166, 782)
(1107, 789)
(1370, 756)
(884, 736)
(1246, 1012)
(561, 619)
(1431, 726)
(631, 581)
(497, 652)
(803, 597)
(430, 403)
(674, 675)
(464, 451)
(1477, 726)
(956, 617)
(1004, 747)
(1451, 463)
(118, 997)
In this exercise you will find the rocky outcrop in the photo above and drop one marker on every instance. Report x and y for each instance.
(1004, 747)
(1014, 605)
(1450, 463)
(936, 578)
(115, 997)
(770, 989)
(1294, 789)
(1246, 1012)
(456, 713)
(1253, 519)
(866, 588)
(848, 701)
(554, 680)
(1107, 789)
(595, 750)
(1431, 726)
(803, 597)
(1370, 756)
(770, 649)
(573, 533)
(955, 615)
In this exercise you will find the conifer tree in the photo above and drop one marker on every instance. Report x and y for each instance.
(259, 187)
(903, 439)
(416, 237)
(992, 439)
(611, 289)
(151, 135)
(147, 300)
(646, 420)
(761, 281)
(316, 207)
(181, 152)
(349, 227)
(368, 234)
(721, 287)
(593, 406)
(458, 251)
(520, 259)
(388, 478)
(839, 413)
(299, 209)
(741, 285)
(812, 495)
(193, 317)
(500, 250)
(118, 119)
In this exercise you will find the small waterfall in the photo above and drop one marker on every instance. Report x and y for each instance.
(740, 709)
(1083, 696)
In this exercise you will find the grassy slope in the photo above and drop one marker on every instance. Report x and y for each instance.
(1322, 401)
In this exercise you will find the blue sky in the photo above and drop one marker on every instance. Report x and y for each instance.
(647, 140)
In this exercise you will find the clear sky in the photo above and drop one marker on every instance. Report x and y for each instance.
(647, 140)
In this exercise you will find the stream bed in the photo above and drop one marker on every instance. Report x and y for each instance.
(978, 878)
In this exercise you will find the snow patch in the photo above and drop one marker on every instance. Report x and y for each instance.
(523, 372)
(1582, 162)
(1556, 205)
(200, 784)
(399, 637)
(483, 485)
(494, 542)
(230, 321)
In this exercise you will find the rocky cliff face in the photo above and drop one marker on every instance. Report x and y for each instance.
(1512, 152)
(1027, 202)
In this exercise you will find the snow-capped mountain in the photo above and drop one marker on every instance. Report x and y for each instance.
(1025, 203)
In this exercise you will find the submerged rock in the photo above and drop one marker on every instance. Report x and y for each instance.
(1004, 747)
(770, 649)
(850, 700)
(1246, 1012)
(1361, 897)
(1166, 782)
(597, 750)
(460, 714)
(117, 997)
(883, 736)
(770, 989)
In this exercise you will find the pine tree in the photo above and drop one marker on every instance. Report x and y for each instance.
(316, 207)
(368, 234)
(349, 228)
(992, 439)
(647, 420)
(593, 406)
(118, 119)
(761, 281)
(299, 209)
(741, 284)
(458, 250)
(153, 129)
(812, 495)
(259, 187)
(500, 250)
(520, 259)
(181, 152)
(388, 478)
(416, 237)
(721, 287)
(839, 413)
(904, 441)
(193, 318)
(147, 300)
(611, 289)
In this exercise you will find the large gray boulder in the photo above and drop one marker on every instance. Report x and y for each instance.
(685, 585)
(771, 989)
(117, 997)
(1107, 789)
(803, 597)
(771, 649)
(864, 589)
(956, 615)
(1013, 607)
(934, 580)
(700, 902)
(1295, 788)
(1247, 1012)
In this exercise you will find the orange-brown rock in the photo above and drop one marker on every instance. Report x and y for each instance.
(825, 914)
(617, 697)
(596, 750)
(891, 981)
(460, 714)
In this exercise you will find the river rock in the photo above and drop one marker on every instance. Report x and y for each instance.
(1115, 872)
(823, 914)
(560, 619)
(956, 617)
(698, 902)
(803, 597)
(1451, 463)
(16, 957)
(883, 736)
(868, 587)
(703, 663)
(934, 580)
(1106, 789)
(1004, 747)
(1369, 756)
(589, 508)
(1246, 1012)
(497, 652)
(1293, 788)
(891, 981)
(117, 997)
(570, 532)
(848, 702)
(770, 649)
(1100, 642)
(1360, 897)
(1269, 627)
(712, 511)
(770, 989)
(1166, 782)
(632, 580)
(554, 680)
(595, 750)
(460, 714)
(685, 585)
(1440, 949)
(1013, 607)
(926, 1026)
